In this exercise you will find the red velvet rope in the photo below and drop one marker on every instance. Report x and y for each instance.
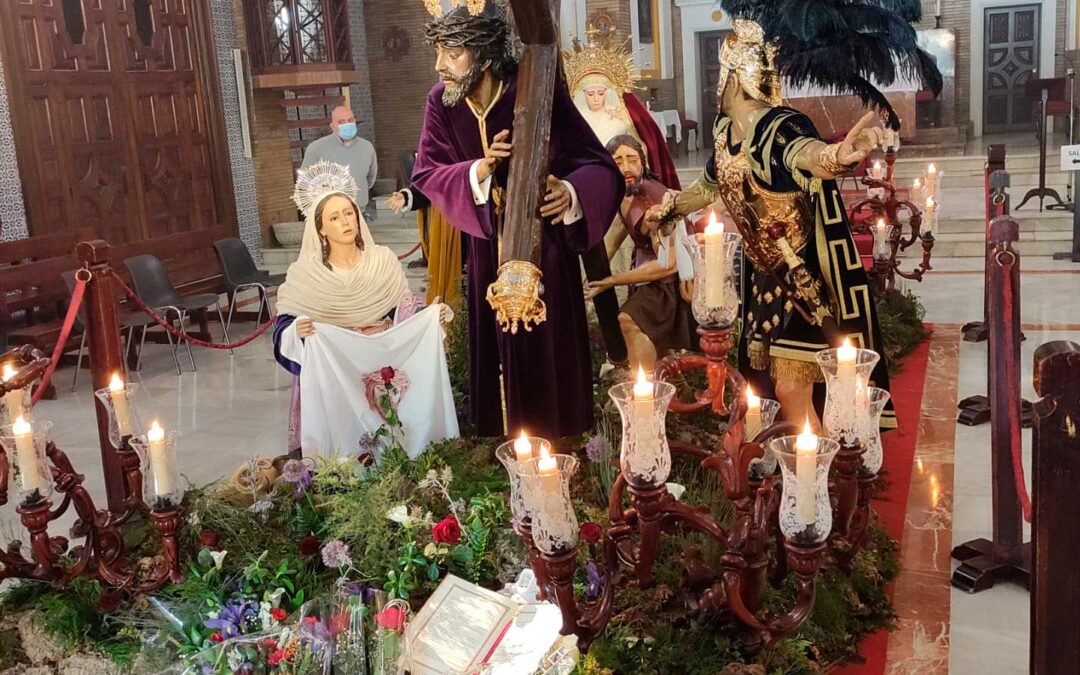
(65, 333)
(1016, 446)
(181, 334)
(409, 252)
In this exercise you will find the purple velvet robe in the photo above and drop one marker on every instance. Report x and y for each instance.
(548, 371)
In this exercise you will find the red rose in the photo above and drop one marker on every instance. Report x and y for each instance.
(209, 538)
(278, 614)
(590, 532)
(309, 545)
(387, 374)
(269, 644)
(366, 459)
(447, 531)
(391, 618)
(109, 602)
(277, 657)
(217, 637)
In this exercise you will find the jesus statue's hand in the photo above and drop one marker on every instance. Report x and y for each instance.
(860, 141)
(305, 328)
(396, 202)
(446, 315)
(595, 288)
(497, 152)
(557, 201)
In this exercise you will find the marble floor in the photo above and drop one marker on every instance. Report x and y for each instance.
(234, 406)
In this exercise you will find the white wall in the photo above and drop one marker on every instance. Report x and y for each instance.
(644, 55)
(1047, 38)
(571, 22)
(696, 18)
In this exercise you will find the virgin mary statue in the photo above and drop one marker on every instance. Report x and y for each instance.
(362, 347)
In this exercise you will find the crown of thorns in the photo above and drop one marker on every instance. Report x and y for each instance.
(463, 30)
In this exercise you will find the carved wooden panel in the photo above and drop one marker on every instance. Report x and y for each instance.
(110, 116)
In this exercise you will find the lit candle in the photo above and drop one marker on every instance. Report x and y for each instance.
(643, 416)
(916, 190)
(806, 475)
(929, 215)
(878, 172)
(714, 262)
(523, 448)
(753, 413)
(159, 460)
(14, 398)
(120, 404)
(548, 468)
(937, 8)
(845, 376)
(931, 180)
(24, 448)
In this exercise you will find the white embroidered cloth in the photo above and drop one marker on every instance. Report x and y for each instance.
(334, 408)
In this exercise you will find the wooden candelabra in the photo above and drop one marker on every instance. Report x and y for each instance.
(756, 552)
(891, 209)
(101, 554)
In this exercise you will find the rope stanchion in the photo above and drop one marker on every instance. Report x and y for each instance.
(1006, 260)
(408, 253)
(181, 335)
(81, 277)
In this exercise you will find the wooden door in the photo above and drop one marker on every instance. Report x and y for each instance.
(709, 66)
(112, 119)
(1010, 59)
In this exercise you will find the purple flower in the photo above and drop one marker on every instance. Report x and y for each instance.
(363, 591)
(596, 449)
(297, 473)
(595, 582)
(335, 553)
(232, 618)
(369, 442)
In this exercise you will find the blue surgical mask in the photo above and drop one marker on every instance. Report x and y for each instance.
(347, 131)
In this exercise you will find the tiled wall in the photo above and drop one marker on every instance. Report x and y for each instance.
(12, 213)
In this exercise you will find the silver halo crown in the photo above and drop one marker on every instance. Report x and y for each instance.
(320, 179)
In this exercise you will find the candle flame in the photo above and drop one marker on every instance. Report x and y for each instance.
(641, 377)
(918, 182)
(930, 203)
(156, 433)
(545, 452)
(807, 441)
(9, 372)
(881, 223)
(21, 427)
(751, 397)
(116, 384)
(931, 168)
(877, 165)
(523, 445)
(715, 226)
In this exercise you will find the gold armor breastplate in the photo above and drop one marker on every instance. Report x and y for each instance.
(755, 208)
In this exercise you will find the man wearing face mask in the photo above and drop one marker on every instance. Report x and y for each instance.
(344, 147)
(462, 166)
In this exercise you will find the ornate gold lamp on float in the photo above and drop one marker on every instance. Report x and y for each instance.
(35, 469)
(813, 514)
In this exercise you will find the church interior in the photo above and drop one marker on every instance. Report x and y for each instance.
(733, 337)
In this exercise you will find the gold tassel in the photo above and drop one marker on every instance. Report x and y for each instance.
(759, 355)
(794, 371)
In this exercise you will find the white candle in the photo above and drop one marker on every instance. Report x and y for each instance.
(806, 475)
(916, 191)
(24, 448)
(120, 404)
(14, 398)
(937, 8)
(845, 376)
(931, 180)
(159, 460)
(878, 172)
(714, 262)
(548, 468)
(929, 215)
(753, 413)
(523, 449)
(643, 416)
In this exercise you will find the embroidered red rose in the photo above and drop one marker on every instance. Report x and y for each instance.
(278, 614)
(391, 618)
(590, 532)
(309, 545)
(387, 374)
(209, 538)
(446, 531)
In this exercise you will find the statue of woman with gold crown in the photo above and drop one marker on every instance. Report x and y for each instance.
(602, 78)
(350, 331)
(804, 288)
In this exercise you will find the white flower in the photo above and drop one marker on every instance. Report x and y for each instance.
(264, 615)
(274, 597)
(194, 519)
(219, 557)
(676, 490)
(447, 475)
(399, 514)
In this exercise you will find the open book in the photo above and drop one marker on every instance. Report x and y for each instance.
(463, 629)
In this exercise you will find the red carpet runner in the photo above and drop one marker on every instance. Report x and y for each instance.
(891, 504)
